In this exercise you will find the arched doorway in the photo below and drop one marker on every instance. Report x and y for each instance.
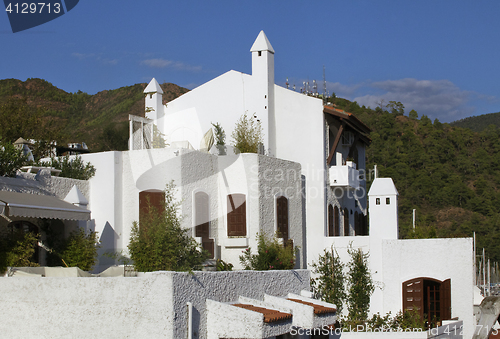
(430, 297)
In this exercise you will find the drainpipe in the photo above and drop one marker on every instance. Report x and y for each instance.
(190, 320)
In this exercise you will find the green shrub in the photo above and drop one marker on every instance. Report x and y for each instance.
(17, 250)
(158, 242)
(223, 266)
(11, 159)
(329, 285)
(271, 255)
(247, 135)
(72, 167)
(80, 249)
(360, 287)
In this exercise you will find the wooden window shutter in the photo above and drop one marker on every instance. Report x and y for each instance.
(445, 294)
(346, 222)
(336, 221)
(330, 221)
(413, 295)
(151, 201)
(236, 215)
(282, 217)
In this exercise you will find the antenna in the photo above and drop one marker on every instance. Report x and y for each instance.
(325, 93)
(315, 88)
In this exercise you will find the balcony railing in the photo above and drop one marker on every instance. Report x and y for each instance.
(346, 176)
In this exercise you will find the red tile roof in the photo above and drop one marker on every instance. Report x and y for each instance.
(269, 315)
(318, 309)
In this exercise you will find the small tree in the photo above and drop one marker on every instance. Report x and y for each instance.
(413, 114)
(17, 249)
(361, 287)
(329, 286)
(247, 135)
(74, 168)
(271, 255)
(220, 134)
(158, 242)
(80, 249)
(11, 159)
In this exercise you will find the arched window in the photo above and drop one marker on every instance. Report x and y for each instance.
(151, 201)
(331, 232)
(201, 218)
(27, 227)
(282, 217)
(202, 221)
(236, 215)
(336, 221)
(346, 222)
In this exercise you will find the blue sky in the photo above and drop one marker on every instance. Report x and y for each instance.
(440, 58)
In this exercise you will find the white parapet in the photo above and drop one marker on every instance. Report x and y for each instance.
(344, 176)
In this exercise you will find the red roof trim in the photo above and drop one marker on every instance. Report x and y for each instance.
(318, 309)
(349, 116)
(269, 315)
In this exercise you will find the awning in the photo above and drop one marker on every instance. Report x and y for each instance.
(13, 204)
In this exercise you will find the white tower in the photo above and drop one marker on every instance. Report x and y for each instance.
(263, 79)
(383, 209)
(383, 213)
(154, 97)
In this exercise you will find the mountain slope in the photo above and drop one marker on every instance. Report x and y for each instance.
(100, 120)
(478, 123)
(450, 175)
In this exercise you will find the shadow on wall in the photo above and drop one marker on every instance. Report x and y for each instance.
(109, 240)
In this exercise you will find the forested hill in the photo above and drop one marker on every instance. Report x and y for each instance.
(478, 123)
(450, 175)
(38, 110)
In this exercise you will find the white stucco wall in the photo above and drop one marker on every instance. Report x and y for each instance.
(435, 258)
(300, 137)
(222, 100)
(105, 202)
(87, 307)
(149, 306)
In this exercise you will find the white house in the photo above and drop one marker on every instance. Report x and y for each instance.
(329, 144)
(308, 184)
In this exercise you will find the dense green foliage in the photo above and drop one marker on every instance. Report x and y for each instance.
(247, 134)
(450, 175)
(221, 265)
(159, 243)
(271, 255)
(220, 134)
(11, 159)
(360, 287)
(72, 167)
(80, 250)
(329, 285)
(17, 249)
(409, 320)
(478, 123)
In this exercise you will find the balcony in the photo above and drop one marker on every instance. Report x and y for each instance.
(346, 176)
